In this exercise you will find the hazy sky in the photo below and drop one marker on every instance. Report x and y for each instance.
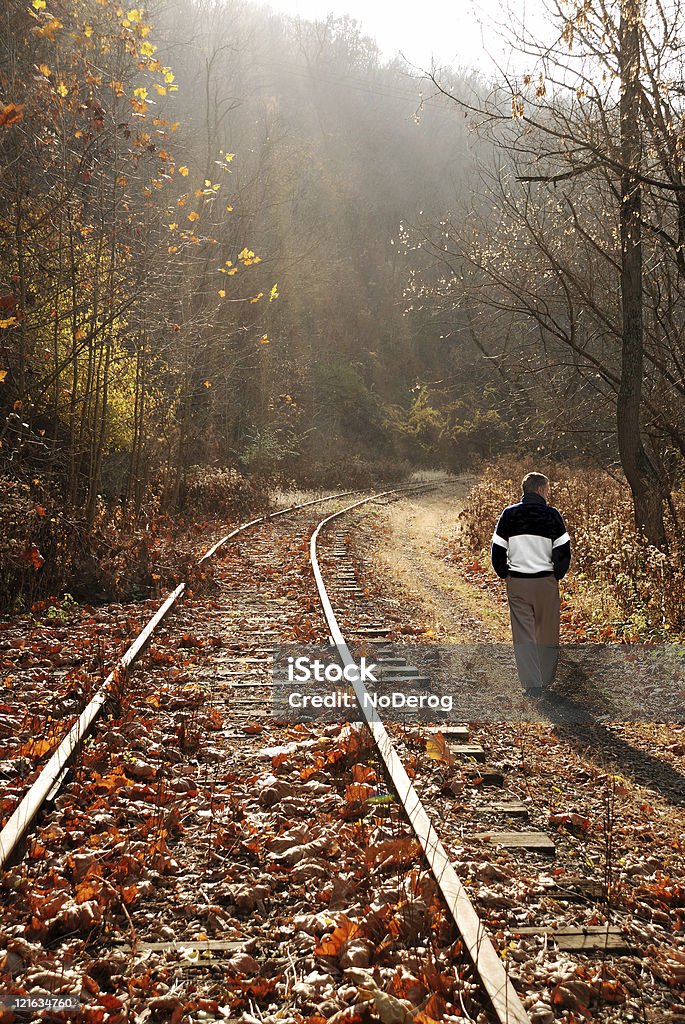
(448, 31)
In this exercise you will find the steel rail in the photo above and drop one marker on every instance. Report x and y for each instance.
(487, 962)
(271, 515)
(53, 772)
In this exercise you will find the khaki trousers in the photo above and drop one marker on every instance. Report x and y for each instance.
(534, 612)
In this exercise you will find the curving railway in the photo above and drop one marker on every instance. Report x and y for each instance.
(187, 856)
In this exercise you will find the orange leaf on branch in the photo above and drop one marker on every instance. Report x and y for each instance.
(32, 556)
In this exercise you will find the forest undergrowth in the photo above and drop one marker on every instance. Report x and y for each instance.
(51, 558)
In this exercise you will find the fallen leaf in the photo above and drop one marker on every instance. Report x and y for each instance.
(345, 931)
(437, 749)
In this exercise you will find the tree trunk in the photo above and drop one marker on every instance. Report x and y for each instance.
(644, 481)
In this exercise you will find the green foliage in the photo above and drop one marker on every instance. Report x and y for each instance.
(428, 425)
(62, 610)
(449, 433)
(267, 453)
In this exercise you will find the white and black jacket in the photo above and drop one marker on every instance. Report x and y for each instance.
(530, 541)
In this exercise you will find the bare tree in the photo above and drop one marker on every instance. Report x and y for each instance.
(596, 120)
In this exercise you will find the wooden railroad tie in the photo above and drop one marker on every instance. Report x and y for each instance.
(452, 732)
(539, 842)
(397, 671)
(596, 938)
(179, 945)
(573, 888)
(255, 685)
(512, 808)
(422, 681)
(473, 750)
(484, 776)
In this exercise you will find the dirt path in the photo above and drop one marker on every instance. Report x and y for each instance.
(407, 547)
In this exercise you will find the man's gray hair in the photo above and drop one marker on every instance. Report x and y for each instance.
(532, 481)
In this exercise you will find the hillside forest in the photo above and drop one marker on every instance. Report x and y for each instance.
(241, 250)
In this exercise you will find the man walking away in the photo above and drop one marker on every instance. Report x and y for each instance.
(531, 550)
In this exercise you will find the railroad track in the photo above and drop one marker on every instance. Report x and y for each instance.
(49, 780)
(214, 851)
(489, 966)
(584, 910)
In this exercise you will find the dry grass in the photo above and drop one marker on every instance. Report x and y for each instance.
(619, 585)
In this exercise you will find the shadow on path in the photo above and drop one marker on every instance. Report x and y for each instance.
(578, 725)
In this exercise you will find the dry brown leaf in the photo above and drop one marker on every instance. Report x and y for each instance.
(392, 1010)
(357, 1014)
(437, 749)
(363, 773)
(345, 931)
(358, 792)
(357, 954)
(573, 994)
(392, 851)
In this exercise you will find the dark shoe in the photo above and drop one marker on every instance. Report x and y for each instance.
(534, 692)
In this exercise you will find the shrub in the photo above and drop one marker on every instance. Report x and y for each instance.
(223, 494)
(351, 471)
(46, 553)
